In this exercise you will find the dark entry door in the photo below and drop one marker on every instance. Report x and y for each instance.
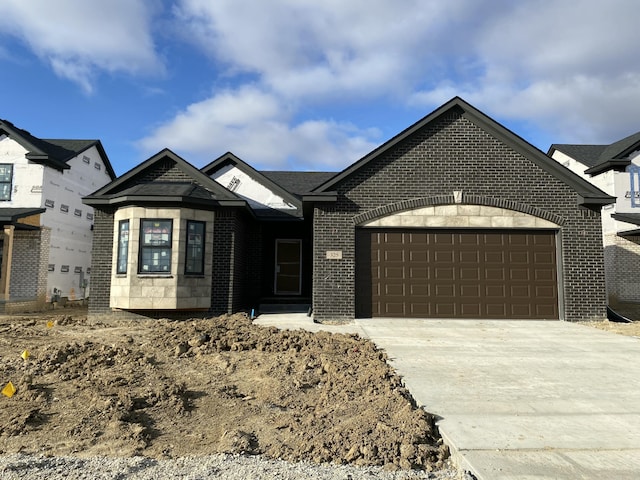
(288, 267)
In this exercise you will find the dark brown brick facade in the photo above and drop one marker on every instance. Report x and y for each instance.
(451, 154)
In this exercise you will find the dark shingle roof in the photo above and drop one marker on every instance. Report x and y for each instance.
(11, 215)
(168, 189)
(622, 148)
(298, 183)
(54, 153)
(600, 158)
(588, 155)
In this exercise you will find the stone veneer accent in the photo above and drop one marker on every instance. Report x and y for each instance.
(453, 154)
(143, 291)
(456, 216)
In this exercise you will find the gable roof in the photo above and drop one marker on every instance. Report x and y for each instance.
(588, 155)
(53, 153)
(230, 159)
(588, 194)
(199, 189)
(600, 158)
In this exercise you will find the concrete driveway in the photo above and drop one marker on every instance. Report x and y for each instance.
(523, 399)
(517, 399)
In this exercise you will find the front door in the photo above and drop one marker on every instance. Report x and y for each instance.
(288, 267)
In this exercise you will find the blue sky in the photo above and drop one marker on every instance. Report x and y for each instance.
(309, 85)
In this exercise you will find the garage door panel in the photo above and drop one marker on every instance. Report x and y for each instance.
(495, 274)
(445, 310)
(466, 239)
(441, 239)
(470, 274)
(458, 274)
(520, 291)
(470, 291)
(419, 291)
(470, 256)
(418, 255)
(490, 239)
(521, 311)
(495, 291)
(394, 256)
(516, 258)
(519, 274)
(470, 310)
(391, 273)
(494, 257)
(496, 310)
(394, 309)
(394, 289)
(545, 311)
(443, 256)
(545, 292)
(444, 291)
(543, 258)
(420, 309)
(544, 274)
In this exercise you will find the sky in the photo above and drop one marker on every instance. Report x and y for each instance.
(312, 85)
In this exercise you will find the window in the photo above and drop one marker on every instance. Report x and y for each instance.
(64, 208)
(77, 270)
(194, 263)
(86, 159)
(89, 216)
(123, 246)
(77, 212)
(155, 246)
(6, 176)
(49, 203)
(51, 267)
(64, 268)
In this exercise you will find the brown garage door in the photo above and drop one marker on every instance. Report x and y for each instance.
(456, 274)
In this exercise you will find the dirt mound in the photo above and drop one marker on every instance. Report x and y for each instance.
(165, 389)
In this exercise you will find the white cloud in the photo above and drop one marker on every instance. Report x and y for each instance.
(566, 67)
(569, 67)
(80, 38)
(255, 126)
(302, 49)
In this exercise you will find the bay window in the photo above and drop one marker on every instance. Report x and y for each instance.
(194, 262)
(123, 246)
(155, 246)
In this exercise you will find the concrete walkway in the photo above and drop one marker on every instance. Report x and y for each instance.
(519, 399)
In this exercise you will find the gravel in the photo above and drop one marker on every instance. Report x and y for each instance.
(33, 467)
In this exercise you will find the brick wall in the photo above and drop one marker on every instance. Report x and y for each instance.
(231, 264)
(453, 154)
(101, 261)
(29, 264)
(622, 264)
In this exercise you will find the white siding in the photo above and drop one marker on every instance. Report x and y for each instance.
(257, 195)
(27, 177)
(71, 235)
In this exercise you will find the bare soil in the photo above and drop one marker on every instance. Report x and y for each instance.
(166, 389)
(629, 329)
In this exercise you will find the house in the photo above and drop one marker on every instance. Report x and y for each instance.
(47, 231)
(455, 217)
(615, 169)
